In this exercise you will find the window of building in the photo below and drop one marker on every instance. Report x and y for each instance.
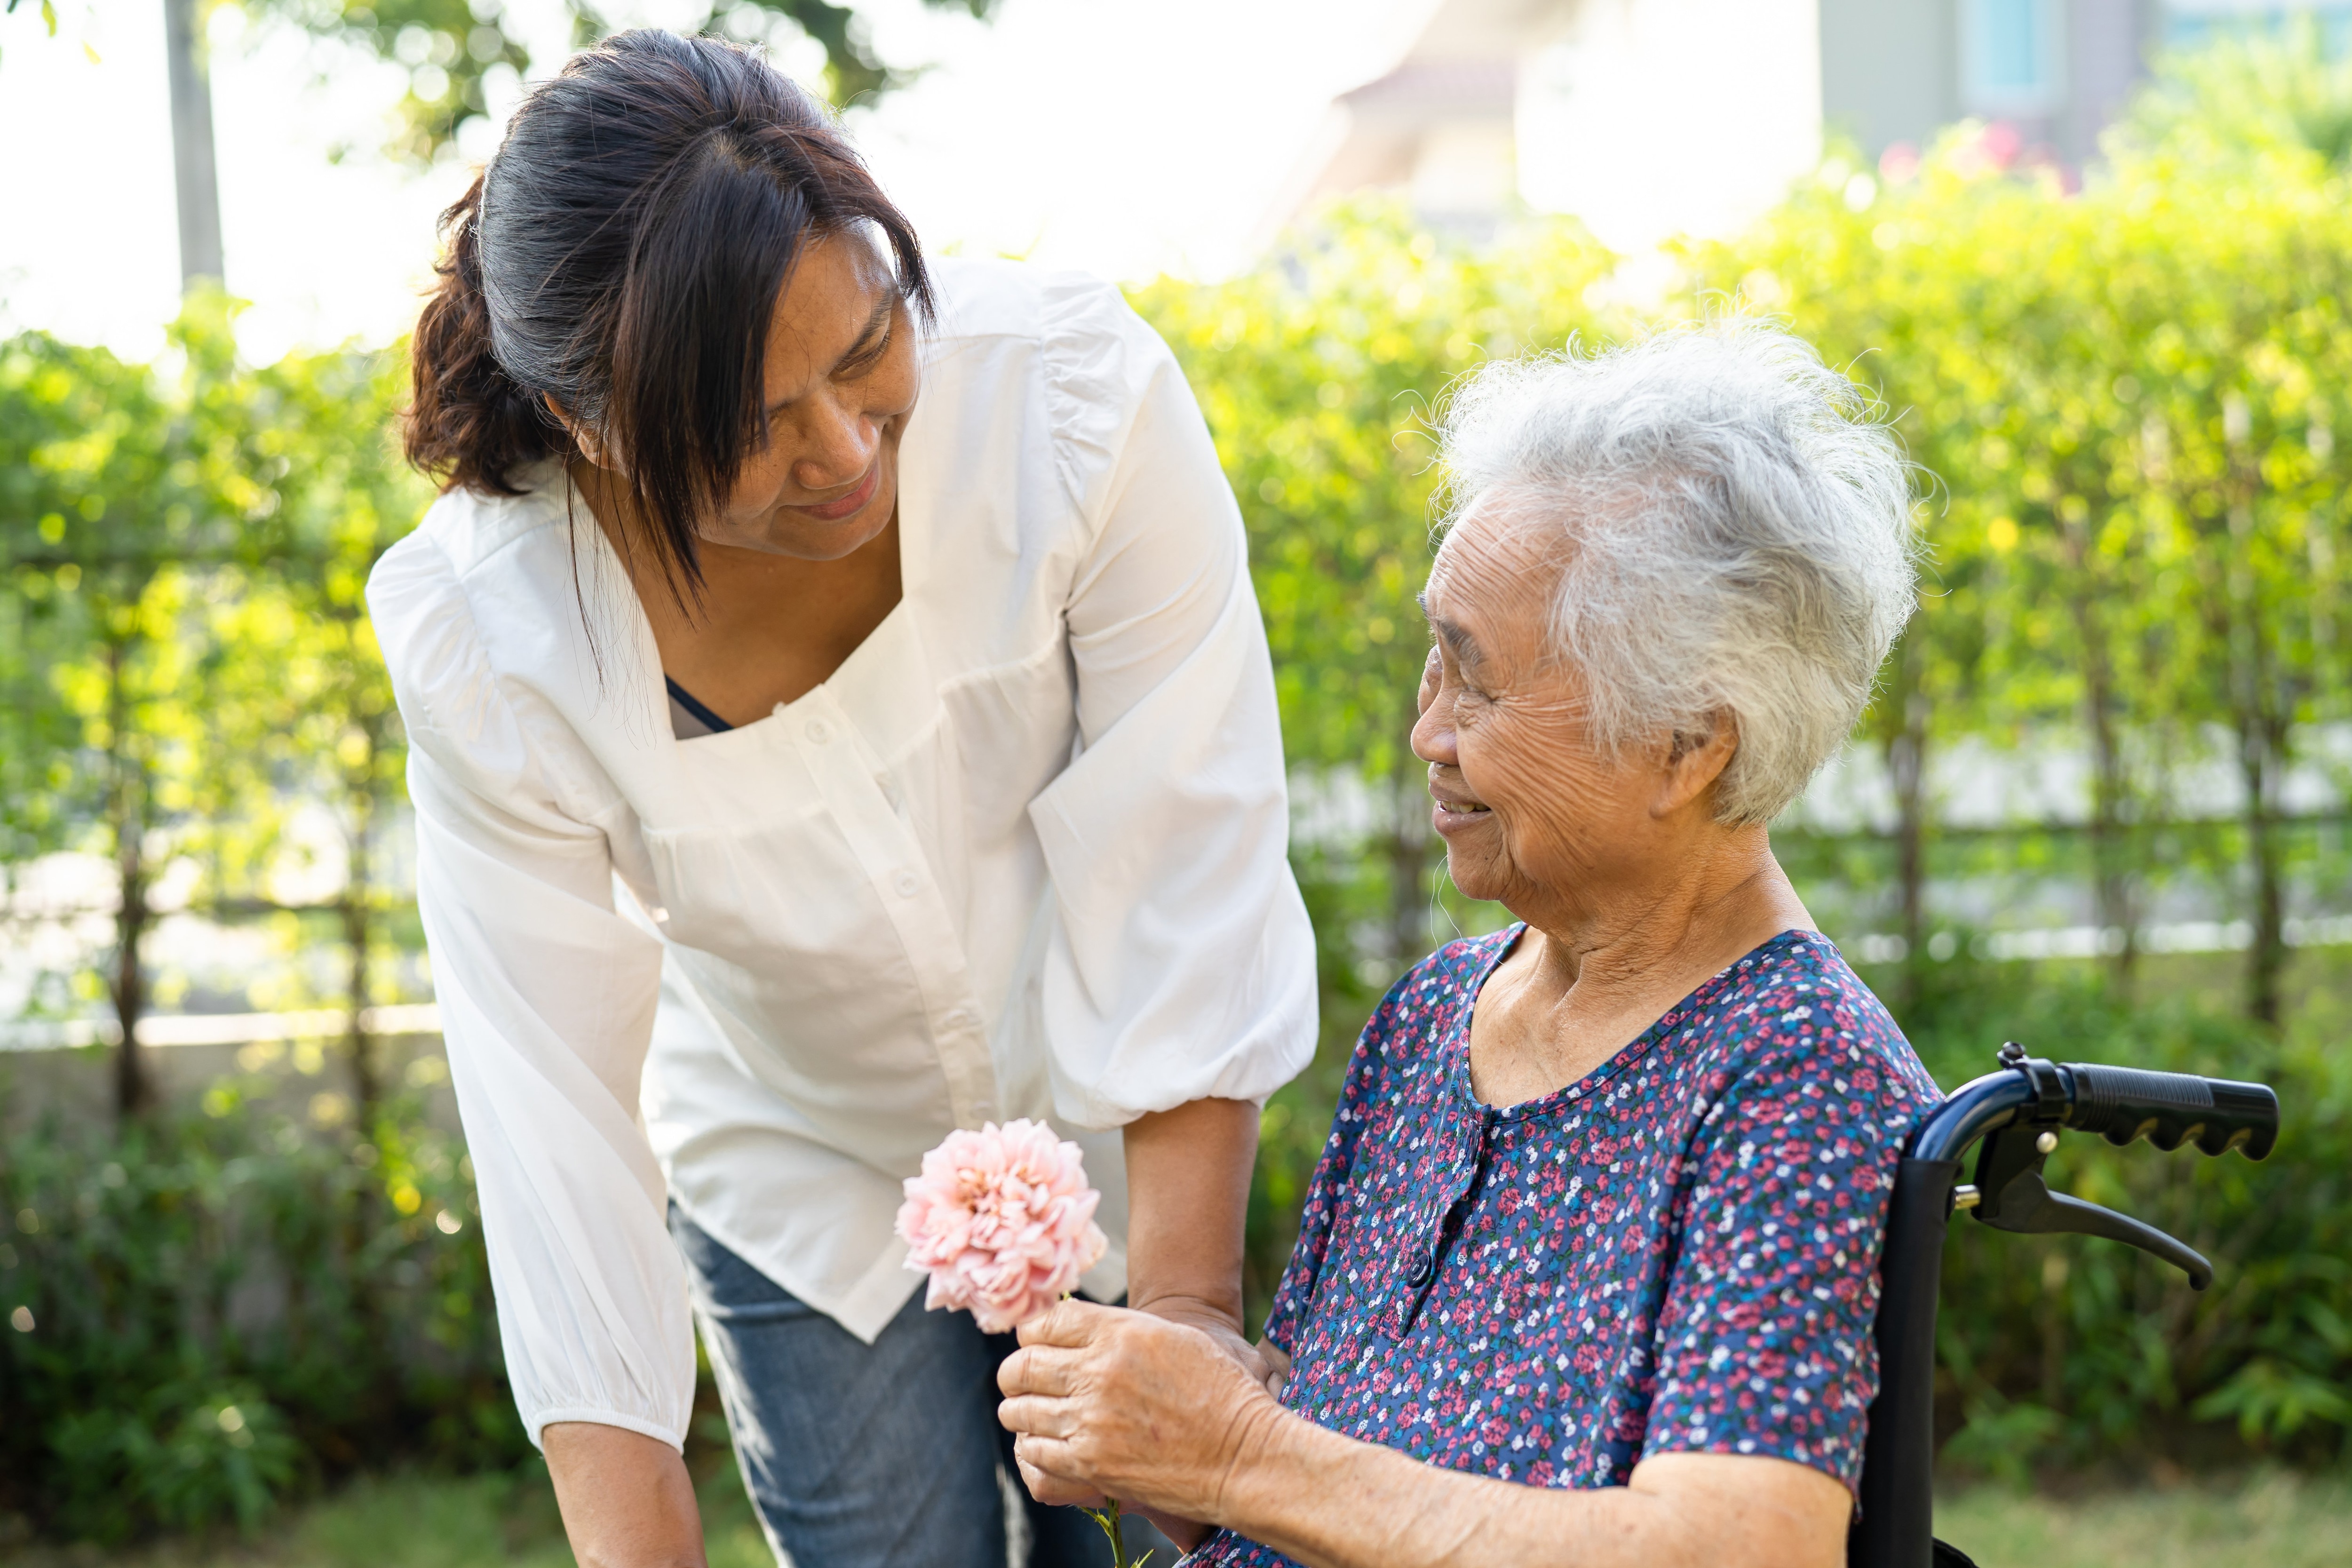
(2010, 56)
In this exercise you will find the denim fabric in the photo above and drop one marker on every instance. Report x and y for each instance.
(880, 1456)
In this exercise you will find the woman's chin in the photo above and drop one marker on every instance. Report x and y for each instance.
(790, 532)
(1471, 874)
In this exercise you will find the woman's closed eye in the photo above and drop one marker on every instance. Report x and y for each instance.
(864, 356)
(871, 345)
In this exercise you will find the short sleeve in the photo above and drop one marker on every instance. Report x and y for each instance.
(1764, 1340)
(547, 997)
(1180, 963)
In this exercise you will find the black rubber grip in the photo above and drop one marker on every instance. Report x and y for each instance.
(2168, 1108)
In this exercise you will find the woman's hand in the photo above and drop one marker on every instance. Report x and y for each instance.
(1106, 1402)
(1223, 1333)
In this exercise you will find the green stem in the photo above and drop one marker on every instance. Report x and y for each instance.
(1108, 1518)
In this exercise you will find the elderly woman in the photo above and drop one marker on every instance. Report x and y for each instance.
(1587, 1271)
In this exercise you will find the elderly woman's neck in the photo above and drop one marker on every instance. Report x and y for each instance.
(1603, 962)
(1726, 896)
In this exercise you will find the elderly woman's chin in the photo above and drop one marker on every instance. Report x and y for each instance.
(1481, 869)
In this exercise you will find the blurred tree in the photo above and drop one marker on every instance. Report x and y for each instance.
(450, 46)
(195, 177)
(322, 725)
(2243, 341)
(1318, 373)
(99, 512)
(2128, 395)
(2249, 93)
(189, 659)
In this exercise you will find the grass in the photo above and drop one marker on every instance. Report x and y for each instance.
(420, 1521)
(2266, 1520)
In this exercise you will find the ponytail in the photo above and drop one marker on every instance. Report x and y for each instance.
(467, 423)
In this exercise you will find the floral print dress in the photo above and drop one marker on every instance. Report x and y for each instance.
(1678, 1253)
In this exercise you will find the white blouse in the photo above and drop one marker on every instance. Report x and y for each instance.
(1023, 855)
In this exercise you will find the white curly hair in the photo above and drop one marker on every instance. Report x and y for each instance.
(1735, 531)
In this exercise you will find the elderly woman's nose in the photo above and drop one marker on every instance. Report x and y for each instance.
(1433, 733)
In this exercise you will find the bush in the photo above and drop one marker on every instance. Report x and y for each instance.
(215, 1310)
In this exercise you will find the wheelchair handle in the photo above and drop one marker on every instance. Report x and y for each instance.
(2120, 1104)
(2219, 1115)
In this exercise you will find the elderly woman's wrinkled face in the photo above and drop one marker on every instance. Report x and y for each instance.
(1528, 806)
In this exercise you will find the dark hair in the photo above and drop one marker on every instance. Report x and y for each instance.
(624, 253)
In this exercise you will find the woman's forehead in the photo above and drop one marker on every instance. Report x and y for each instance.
(1492, 565)
(827, 304)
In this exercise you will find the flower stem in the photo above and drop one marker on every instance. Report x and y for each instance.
(1108, 1518)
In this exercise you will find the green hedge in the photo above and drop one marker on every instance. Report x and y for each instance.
(217, 1310)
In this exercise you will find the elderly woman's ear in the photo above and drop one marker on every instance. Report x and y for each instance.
(1693, 760)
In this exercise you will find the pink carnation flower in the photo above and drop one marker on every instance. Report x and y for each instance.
(1002, 1220)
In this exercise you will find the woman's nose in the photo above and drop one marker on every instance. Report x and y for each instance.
(837, 445)
(1433, 733)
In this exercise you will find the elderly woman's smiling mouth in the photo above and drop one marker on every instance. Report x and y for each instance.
(1455, 808)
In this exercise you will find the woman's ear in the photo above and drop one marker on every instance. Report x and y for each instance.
(581, 436)
(1693, 760)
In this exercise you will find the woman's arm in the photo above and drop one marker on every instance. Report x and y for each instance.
(1188, 1181)
(547, 997)
(1179, 965)
(1117, 1403)
(627, 1502)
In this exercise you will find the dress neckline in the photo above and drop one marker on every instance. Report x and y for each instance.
(1571, 1095)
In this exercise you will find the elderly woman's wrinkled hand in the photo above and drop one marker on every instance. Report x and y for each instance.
(1105, 1402)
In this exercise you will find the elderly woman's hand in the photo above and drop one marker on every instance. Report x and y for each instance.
(1106, 1402)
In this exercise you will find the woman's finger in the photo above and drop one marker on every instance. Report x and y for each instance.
(1277, 1366)
(1070, 1323)
(1046, 1466)
(1038, 1369)
(1031, 1415)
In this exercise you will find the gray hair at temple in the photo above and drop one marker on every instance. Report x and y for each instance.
(1735, 534)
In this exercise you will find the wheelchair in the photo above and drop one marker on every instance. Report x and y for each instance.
(2019, 1113)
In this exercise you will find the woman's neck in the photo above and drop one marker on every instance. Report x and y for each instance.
(1706, 909)
(1599, 965)
(765, 629)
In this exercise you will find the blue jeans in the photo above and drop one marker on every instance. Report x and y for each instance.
(880, 1456)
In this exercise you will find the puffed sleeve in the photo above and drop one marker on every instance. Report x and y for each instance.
(547, 998)
(1180, 963)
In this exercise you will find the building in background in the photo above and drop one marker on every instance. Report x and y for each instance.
(1648, 118)
(1893, 71)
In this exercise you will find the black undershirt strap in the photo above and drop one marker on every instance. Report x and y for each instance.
(692, 704)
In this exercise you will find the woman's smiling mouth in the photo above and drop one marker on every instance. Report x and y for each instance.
(1455, 810)
(849, 505)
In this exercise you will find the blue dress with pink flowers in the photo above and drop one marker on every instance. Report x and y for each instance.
(1678, 1253)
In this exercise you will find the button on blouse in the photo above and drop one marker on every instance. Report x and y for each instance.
(1023, 854)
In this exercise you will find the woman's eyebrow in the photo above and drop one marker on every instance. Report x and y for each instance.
(875, 322)
(1465, 646)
